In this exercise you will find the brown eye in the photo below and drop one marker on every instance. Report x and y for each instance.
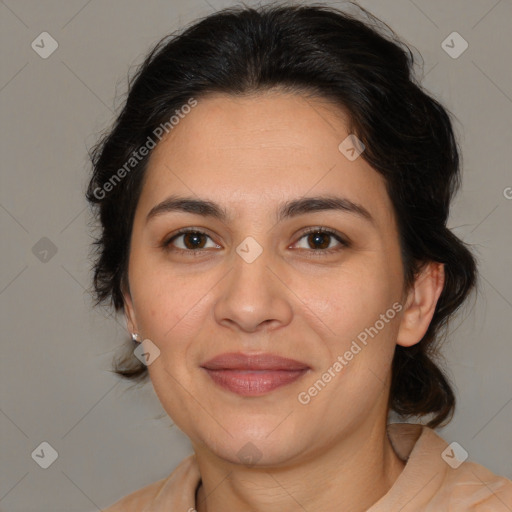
(194, 240)
(189, 240)
(321, 240)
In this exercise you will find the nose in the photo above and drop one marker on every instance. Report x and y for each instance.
(254, 297)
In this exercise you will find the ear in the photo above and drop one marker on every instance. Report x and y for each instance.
(420, 304)
(129, 312)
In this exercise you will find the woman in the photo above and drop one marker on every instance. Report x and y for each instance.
(273, 202)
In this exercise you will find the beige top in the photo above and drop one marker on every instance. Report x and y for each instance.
(427, 483)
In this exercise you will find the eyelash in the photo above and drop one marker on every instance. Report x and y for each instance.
(317, 252)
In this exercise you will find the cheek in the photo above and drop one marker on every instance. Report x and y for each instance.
(163, 300)
(171, 314)
(362, 312)
(352, 299)
(363, 315)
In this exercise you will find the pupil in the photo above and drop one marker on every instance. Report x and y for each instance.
(196, 237)
(317, 238)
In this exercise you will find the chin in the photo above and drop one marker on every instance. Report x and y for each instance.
(255, 443)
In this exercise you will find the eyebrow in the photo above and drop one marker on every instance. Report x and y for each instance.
(287, 210)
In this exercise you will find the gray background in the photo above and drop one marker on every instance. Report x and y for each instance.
(56, 350)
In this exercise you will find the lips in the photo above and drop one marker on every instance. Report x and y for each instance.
(239, 361)
(253, 374)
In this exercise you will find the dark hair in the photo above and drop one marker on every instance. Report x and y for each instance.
(316, 50)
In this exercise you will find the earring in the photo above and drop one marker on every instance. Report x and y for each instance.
(135, 337)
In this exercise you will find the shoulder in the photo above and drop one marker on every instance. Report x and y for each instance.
(437, 478)
(464, 486)
(473, 488)
(162, 492)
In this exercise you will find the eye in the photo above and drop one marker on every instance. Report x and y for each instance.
(317, 240)
(320, 240)
(192, 240)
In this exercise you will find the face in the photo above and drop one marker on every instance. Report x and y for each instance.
(263, 281)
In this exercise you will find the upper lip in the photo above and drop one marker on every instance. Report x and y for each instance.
(240, 361)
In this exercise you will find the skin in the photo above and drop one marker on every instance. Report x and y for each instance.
(250, 154)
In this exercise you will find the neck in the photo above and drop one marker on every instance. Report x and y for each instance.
(350, 475)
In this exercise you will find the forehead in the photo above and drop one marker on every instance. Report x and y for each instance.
(243, 152)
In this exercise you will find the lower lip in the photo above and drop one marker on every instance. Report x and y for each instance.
(252, 382)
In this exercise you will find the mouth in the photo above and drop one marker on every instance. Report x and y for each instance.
(253, 374)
